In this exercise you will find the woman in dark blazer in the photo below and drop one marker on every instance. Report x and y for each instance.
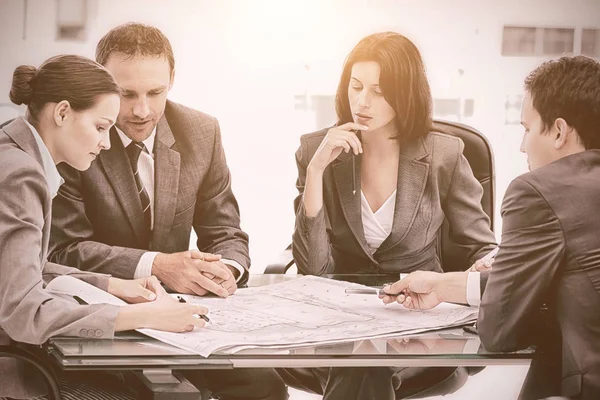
(71, 104)
(374, 190)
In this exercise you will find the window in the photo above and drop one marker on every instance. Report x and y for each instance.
(71, 18)
(518, 41)
(512, 110)
(323, 107)
(453, 109)
(590, 42)
(558, 41)
(531, 41)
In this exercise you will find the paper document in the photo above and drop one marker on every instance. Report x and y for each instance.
(303, 311)
(68, 285)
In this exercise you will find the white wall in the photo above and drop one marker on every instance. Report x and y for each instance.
(243, 61)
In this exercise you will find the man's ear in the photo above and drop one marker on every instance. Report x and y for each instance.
(62, 112)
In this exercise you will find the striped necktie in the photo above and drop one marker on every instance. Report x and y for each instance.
(133, 151)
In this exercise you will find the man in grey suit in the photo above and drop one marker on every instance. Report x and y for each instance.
(131, 214)
(550, 248)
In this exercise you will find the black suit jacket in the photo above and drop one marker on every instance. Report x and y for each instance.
(550, 254)
(97, 218)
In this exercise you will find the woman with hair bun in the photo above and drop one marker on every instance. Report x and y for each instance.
(71, 104)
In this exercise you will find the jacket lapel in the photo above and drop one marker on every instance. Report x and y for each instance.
(412, 179)
(20, 133)
(166, 166)
(118, 171)
(350, 202)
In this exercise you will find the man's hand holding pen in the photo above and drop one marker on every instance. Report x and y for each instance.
(418, 290)
(423, 290)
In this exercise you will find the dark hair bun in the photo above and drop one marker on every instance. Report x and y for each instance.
(21, 90)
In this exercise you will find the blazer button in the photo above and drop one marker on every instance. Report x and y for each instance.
(83, 332)
(98, 333)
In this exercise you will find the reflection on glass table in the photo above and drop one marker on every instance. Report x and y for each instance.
(448, 347)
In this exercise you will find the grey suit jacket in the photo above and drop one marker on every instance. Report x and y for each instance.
(550, 253)
(27, 312)
(435, 182)
(98, 223)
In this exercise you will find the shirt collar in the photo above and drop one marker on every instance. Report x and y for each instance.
(53, 177)
(149, 142)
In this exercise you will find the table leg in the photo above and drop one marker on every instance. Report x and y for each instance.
(166, 384)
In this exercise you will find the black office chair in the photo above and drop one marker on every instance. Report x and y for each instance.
(20, 353)
(478, 153)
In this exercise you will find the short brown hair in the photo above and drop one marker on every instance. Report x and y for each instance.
(403, 82)
(135, 39)
(569, 88)
(76, 79)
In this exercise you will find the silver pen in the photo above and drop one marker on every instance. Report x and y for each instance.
(378, 292)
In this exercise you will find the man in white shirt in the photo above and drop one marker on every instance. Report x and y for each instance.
(550, 248)
(131, 214)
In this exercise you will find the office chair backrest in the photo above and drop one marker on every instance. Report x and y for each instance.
(478, 153)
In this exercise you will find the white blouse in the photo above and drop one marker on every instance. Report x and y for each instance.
(377, 225)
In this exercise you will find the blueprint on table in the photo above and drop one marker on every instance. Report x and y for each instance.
(304, 311)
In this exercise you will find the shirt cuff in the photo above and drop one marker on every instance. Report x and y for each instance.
(235, 265)
(473, 289)
(144, 267)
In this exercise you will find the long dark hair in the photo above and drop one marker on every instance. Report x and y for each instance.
(403, 82)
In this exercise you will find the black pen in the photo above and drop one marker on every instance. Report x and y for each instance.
(471, 329)
(204, 317)
(80, 300)
(354, 165)
(353, 174)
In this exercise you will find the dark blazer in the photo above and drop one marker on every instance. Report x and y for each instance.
(27, 312)
(550, 253)
(435, 182)
(98, 223)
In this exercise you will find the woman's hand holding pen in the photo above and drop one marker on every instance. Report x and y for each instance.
(338, 139)
(164, 313)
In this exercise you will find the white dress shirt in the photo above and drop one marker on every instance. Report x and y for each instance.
(146, 172)
(52, 176)
(377, 225)
(474, 289)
